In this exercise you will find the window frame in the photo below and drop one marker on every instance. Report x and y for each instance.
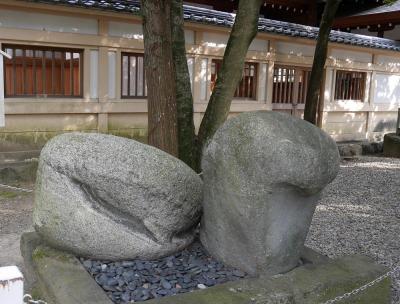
(24, 48)
(256, 65)
(363, 85)
(301, 91)
(132, 54)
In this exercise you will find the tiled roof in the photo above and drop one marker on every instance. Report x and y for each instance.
(208, 16)
(388, 8)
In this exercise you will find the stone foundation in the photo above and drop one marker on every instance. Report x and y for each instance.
(391, 145)
(61, 279)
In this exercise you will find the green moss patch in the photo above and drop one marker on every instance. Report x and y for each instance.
(8, 194)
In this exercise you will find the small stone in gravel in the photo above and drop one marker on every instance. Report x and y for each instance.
(201, 286)
(165, 284)
(128, 263)
(238, 273)
(87, 264)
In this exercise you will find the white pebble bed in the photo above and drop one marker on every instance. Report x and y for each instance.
(359, 213)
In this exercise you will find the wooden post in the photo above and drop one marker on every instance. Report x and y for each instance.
(2, 111)
(398, 123)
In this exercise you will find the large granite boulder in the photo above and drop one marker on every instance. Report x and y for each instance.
(263, 172)
(109, 197)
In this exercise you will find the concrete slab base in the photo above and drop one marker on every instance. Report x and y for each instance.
(61, 279)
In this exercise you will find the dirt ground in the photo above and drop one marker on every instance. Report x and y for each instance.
(15, 218)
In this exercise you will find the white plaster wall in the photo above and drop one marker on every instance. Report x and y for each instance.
(386, 89)
(2, 118)
(221, 40)
(294, 49)
(215, 39)
(112, 74)
(260, 45)
(125, 30)
(189, 37)
(190, 63)
(262, 82)
(12, 286)
(351, 56)
(389, 60)
(94, 73)
(135, 31)
(346, 125)
(203, 79)
(47, 22)
(328, 90)
(383, 122)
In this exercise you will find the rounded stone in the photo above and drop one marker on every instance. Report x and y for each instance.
(112, 198)
(263, 172)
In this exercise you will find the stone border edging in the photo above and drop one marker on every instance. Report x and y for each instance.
(61, 279)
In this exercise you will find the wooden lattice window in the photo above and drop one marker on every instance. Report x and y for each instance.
(247, 87)
(350, 85)
(290, 84)
(42, 71)
(133, 76)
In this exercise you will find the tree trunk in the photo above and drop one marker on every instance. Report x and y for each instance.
(311, 106)
(243, 32)
(184, 98)
(161, 88)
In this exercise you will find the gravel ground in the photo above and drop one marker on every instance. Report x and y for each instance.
(15, 218)
(139, 280)
(359, 213)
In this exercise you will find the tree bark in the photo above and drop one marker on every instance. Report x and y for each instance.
(159, 68)
(184, 98)
(311, 106)
(243, 32)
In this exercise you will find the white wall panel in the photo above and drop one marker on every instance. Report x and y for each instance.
(2, 118)
(387, 89)
(125, 30)
(94, 73)
(47, 22)
(112, 74)
(190, 63)
(262, 82)
(389, 60)
(189, 37)
(383, 121)
(221, 40)
(203, 79)
(351, 56)
(215, 40)
(295, 49)
(135, 31)
(12, 285)
(259, 45)
(346, 125)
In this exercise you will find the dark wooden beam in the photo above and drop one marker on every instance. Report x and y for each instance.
(364, 20)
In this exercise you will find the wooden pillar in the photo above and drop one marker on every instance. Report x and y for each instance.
(2, 114)
(102, 122)
(270, 74)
